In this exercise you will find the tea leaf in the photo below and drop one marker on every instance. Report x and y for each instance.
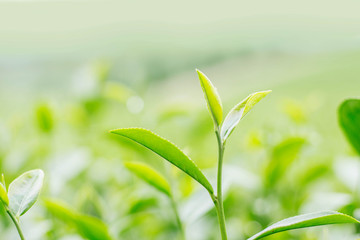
(87, 226)
(3, 195)
(150, 176)
(349, 118)
(60, 210)
(212, 98)
(239, 111)
(24, 191)
(167, 150)
(283, 155)
(92, 228)
(44, 118)
(304, 221)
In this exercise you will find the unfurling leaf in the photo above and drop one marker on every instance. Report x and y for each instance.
(150, 176)
(304, 221)
(24, 191)
(239, 111)
(349, 118)
(212, 98)
(167, 150)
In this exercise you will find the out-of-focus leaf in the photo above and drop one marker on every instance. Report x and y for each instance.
(60, 210)
(150, 176)
(349, 118)
(24, 191)
(3, 195)
(92, 228)
(101, 71)
(212, 98)
(117, 92)
(87, 226)
(44, 118)
(304, 221)
(167, 150)
(282, 157)
(142, 204)
(239, 111)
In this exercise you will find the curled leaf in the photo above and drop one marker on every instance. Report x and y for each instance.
(24, 191)
(150, 176)
(167, 150)
(239, 111)
(304, 221)
(212, 98)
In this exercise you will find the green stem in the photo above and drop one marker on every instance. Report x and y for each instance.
(178, 220)
(219, 200)
(16, 222)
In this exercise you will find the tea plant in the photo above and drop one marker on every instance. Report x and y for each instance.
(21, 195)
(223, 129)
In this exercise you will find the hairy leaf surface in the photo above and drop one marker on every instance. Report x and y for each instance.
(239, 111)
(24, 191)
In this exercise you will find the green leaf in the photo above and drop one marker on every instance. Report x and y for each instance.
(283, 155)
(92, 228)
(142, 205)
(24, 191)
(3, 195)
(87, 226)
(239, 111)
(60, 210)
(44, 118)
(212, 98)
(349, 118)
(150, 176)
(304, 221)
(167, 150)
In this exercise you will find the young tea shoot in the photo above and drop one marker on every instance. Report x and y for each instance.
(21, 195)
(223, 129)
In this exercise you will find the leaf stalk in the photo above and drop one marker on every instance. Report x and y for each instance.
(16, 222)
(219, 200)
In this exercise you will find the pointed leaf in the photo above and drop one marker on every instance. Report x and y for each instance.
(3, 195)
(150, 176)
(24, 191)
(349, 118)
(239, 111)
(212, 98)
(304, 221)
(167, 150)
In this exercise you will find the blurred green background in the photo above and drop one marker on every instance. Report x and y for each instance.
(72, 70)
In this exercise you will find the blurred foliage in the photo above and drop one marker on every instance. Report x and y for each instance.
(288, 158)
